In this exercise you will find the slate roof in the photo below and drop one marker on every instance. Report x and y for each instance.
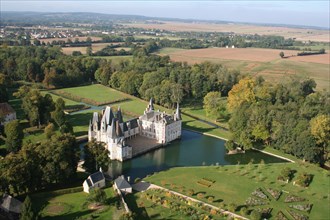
(122, 183)
(89, 183)
(6, 109)
(134, 123)
(96, 177)
(10, 204)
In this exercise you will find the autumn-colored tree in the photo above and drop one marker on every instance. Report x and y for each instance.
(241, 92)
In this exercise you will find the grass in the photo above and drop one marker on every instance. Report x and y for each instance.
(72, 206)
(114, 59)
(234, 184)
(68, 102)
(96, 92)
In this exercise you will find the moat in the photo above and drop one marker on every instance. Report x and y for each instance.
(192, 150)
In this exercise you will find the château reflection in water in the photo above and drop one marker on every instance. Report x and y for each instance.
(192, 150)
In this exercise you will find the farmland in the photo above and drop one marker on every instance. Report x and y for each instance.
(95, 47)
(264, 62)
(287, 32)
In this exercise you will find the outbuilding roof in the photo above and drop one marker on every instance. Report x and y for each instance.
(10, 204)
(6, 109)
(96, 177)
(122, 183)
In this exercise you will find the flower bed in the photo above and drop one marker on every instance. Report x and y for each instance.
(259, 193)
(265, 211)
(204, 183)
(274, 193)
(297, 216)
(208, 180)
(280, 216)
(304, 207)
(293, 198)
(255, 202)
(304, 180)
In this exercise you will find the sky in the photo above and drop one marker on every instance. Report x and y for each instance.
(307, 13)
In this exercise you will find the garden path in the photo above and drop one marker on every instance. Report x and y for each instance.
(143, 186)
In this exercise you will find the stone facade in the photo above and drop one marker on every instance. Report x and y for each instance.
(113, 131)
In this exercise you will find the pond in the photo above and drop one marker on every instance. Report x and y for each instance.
(193, 149)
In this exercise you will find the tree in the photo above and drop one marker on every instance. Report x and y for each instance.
(215, 106)
(27, 212)
(96, 155)
(14, 136)
(320, 129)
(89, 51)
(58, 115)
(281, 54)
(97, 195)
(255, 215)
(49, 130)
(240, 93)
(230, 145)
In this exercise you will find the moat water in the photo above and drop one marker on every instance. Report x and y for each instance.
(192, 149)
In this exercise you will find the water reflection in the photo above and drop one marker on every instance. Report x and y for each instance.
(192, 150)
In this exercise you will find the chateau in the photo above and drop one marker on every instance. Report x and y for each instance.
(110, 129)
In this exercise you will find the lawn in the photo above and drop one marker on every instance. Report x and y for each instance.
(234, 184)
(68, 102)
(95, 92)
(53, 205)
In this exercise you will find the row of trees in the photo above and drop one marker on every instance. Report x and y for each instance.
(290, 117)
(47, 65)
(167, 82)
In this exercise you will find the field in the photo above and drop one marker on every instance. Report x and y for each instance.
(226, 185)
(264, 62)
(54, 205)
(95, 47)
(301, 34)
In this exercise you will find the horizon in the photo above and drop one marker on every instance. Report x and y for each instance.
(294, 13)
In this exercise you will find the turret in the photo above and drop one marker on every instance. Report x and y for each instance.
(151, 105)
(177, 113)
(119, 115)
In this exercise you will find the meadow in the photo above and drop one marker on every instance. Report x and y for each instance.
(71, 203)
(235, 183)
(260, 62)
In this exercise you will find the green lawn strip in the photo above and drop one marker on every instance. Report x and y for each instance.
(54, 205)
(68, 102)
(234, 184)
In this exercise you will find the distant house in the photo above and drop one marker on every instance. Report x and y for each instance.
(122, 185)
(95, 180)
(10, 205)
(233, 46)
(7, 113)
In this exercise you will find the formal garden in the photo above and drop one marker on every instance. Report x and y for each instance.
(296, 191)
